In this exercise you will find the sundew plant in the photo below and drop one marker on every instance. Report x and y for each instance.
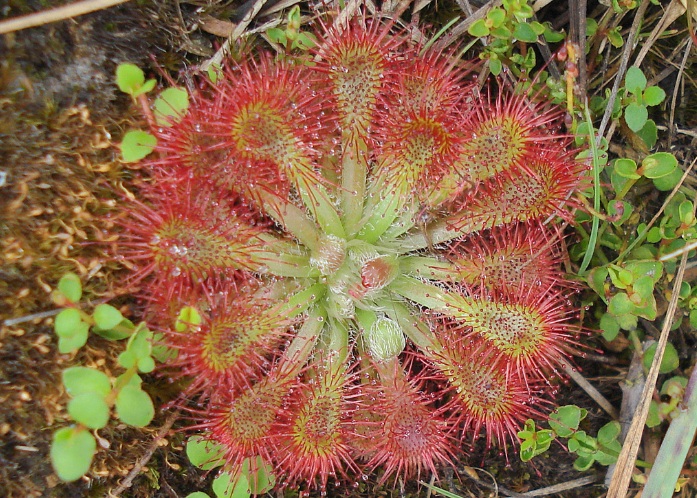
(356, 258)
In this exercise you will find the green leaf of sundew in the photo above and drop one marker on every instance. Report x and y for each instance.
(70, 286)
(609, 432)
(659, 165)
(478, 29)
(134, 407)
(67, 322)
(106, 316)
(75, 341)
(635, 81)
(525, 33)
(137, 144)
(626, 168)
(72, 450)
(669, 362)
(636, 115)
(170, 106)
(565, 419)
(654, 95)
(204, 454)
(609, 326)
(129, 78)
(82, 380)
(90, 409)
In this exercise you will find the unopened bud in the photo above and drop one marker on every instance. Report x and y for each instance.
(385, 339)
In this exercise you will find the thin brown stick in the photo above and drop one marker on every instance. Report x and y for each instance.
(142, 462)
(591, 390)
(57, 14)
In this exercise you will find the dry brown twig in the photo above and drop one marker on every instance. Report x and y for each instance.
(57, 14)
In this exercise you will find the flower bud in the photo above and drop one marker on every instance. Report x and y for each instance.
(385, 339)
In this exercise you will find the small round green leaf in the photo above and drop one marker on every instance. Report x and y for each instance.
(82, 380)
(635, 81)
(137, 144)
(69, 285)
(129, 78)
(626, 168)
(565, 419)
(478, 29)
(668, 182)
(170, 106)
(609, 326)
(659, 165)
(654, 95)
(636, 115)
(146, 364)
(75, 341)
(524, 32)
(669, 362)
(225, 487)
(127, 359)
(197, 494)
(90, 409)
(106, 316)
(620, 304)
(72, 450)
(67, 322)
(134, 407)
(609, 432)
(204, 454)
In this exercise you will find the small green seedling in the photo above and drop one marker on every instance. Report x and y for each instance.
(292, 38)
(564, 423)
(504, 25)
(131, 80)
(169, 108)
(93, 393)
